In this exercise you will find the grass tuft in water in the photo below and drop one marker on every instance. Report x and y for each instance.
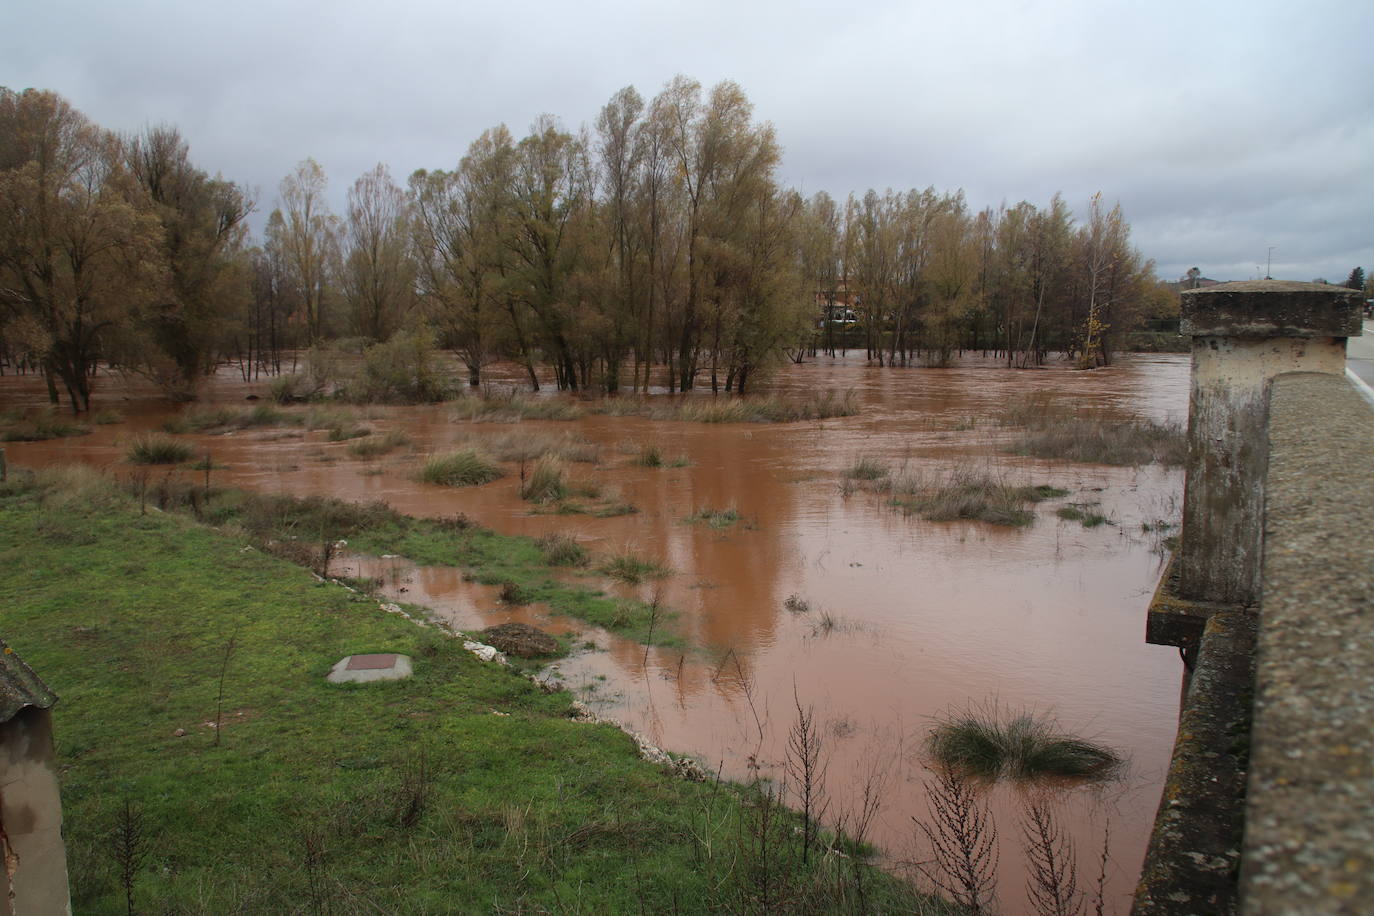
(865, 468)
(969, 496)
(464, 468)
(631, 569)
(545, 481)
(715, 518)
(156, 448)
(562, 550)
(989, 744)
(376, 446)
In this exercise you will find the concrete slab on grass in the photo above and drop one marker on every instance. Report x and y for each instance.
(360, 669)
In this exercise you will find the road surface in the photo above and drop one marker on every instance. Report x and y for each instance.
(1359, 354)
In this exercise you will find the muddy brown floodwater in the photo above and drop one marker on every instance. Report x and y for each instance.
(907, 619)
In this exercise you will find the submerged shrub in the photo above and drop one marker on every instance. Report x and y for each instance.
(464, 468)
(988, 744)
(156, 448)
(402, 370)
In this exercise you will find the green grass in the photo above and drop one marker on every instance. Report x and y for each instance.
(990, 744)
(409, 797)
(463, 468)
(1085, 514)
(38, 425)
(223, 419)
(156, 448)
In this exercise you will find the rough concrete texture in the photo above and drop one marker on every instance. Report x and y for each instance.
(1191, 860)
(1223, 500)
(31, 817)
(1271, 308)
(363, 669)
(1309, 835)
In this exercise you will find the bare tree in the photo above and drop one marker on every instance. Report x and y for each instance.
(305, 234)
(377, 276)
(806, 766)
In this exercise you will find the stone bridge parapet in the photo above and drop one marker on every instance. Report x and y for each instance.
(1269, 803)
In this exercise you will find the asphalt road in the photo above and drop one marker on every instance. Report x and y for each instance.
(1359, 354)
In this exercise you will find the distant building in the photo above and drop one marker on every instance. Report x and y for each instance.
(33, 861)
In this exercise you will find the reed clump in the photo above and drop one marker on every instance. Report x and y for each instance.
(156, 448)
(513, 407)
(631, 569)
(523, 444)
(866, 468)
(463, 468)
(968, 496)
(375, 446)
(989, 744)
(1059, 431)
(544, 483)
(562, 550)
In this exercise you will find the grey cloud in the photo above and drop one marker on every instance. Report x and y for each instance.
(1222, 128)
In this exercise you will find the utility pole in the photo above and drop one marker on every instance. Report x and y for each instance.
(1269, 262)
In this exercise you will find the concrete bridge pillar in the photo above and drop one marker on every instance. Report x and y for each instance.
(1243, 335)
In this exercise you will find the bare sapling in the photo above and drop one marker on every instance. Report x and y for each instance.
(130, 846)
(806, 766)
(963, 843)
(655, 604)
(414, 790)
(223, 670)
(1051, 866)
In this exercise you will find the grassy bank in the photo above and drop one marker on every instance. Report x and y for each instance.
(464, 789)
(305, 530)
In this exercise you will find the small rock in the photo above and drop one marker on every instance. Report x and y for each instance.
(180, 733)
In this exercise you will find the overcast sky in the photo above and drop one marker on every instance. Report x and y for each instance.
(1222, 128)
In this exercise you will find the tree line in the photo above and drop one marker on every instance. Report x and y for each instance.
(656, 245)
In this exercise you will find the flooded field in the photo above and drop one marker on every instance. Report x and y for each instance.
(880, 621)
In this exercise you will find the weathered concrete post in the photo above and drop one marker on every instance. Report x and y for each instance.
(33, 859)
(1244, 334)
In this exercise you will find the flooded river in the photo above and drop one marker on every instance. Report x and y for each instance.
(904, 619)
